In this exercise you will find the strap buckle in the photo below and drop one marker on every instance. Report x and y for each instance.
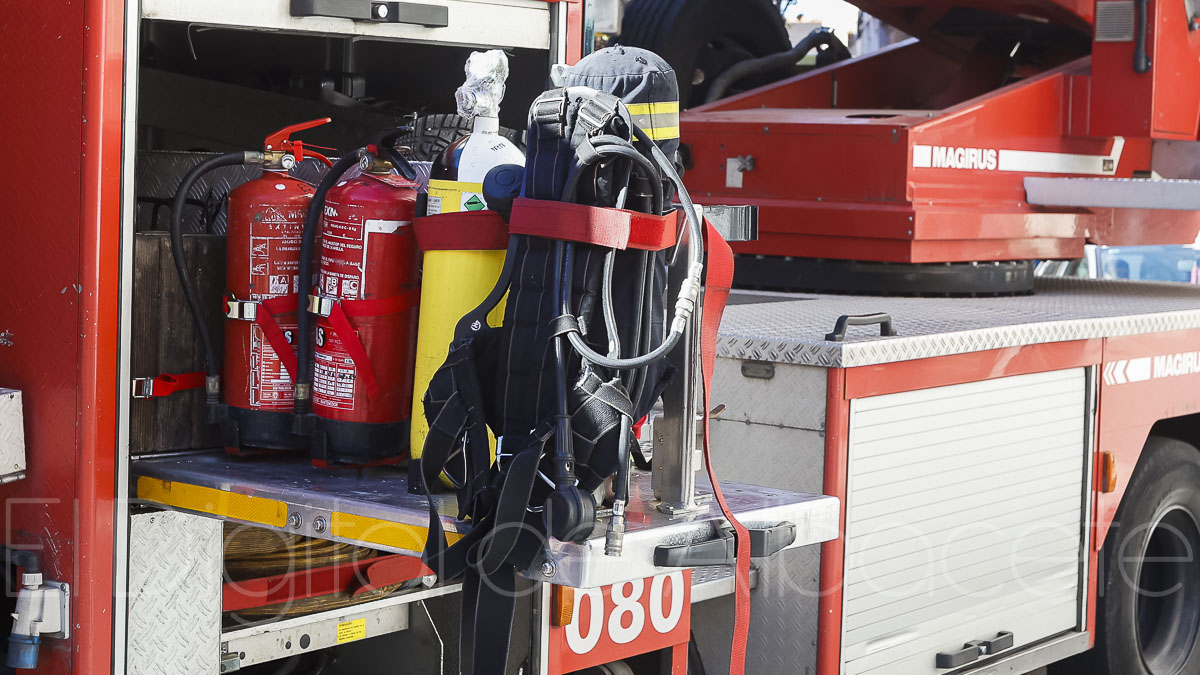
(241, 310)
(143, 387)
(596, 116)
(549, 110)
(321, 306)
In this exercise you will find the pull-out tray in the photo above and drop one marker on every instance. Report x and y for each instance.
(374, 508)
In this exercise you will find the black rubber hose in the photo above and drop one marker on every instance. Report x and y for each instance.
(398, 161)
(212, 362)
(621, 485)
(820, 36)
(312, 222)
(564, 454)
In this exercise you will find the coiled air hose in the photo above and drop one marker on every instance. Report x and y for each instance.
(689, 291)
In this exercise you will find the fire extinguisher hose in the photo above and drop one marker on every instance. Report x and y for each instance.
(212, 364)
(312, 222)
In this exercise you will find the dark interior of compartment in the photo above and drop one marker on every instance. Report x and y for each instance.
(217, 89)
(206, 90)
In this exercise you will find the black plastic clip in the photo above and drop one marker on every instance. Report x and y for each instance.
(764, 542)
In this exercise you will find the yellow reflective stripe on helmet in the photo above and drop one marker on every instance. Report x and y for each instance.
(659, 108)
(662, 133)
(660, 120)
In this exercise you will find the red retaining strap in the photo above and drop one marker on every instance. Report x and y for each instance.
(339, 321)
(717, 281)
(462, 231)
(166, 384)
(266, 321)
(611, 228)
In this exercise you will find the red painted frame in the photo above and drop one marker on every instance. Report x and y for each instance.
(836, 172)
(65, 64)
(847, 384)
(1125, 415)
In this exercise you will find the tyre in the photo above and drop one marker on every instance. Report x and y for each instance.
(1148, 617)
(701, 38)
(433, 133)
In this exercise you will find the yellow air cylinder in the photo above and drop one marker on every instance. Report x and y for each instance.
(453, 282)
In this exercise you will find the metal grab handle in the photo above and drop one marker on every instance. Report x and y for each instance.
(971, 651)
(839, 328)
(1141, 60)
(430, 16)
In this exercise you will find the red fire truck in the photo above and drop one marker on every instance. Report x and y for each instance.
(956, 467)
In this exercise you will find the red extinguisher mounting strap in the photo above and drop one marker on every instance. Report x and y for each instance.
(166, 384)
(275, 337)
(340, 312)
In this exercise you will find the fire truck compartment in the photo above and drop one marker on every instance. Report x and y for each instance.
(374, 508)
(999, 462)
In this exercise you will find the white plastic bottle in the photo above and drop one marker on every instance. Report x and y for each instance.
(456, 179)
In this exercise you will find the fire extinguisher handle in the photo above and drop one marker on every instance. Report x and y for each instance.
(282, 139)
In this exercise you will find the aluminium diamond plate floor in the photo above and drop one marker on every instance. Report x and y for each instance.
(791, 327)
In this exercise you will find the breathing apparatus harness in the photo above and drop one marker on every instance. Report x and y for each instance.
(562, 379)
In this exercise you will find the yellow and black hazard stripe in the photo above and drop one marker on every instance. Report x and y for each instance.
(660, 120)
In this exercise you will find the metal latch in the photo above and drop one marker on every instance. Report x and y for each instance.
(230, 661)
(975, 649)
(242, 310)
(735, 223)
(320, 306)
(430, 16)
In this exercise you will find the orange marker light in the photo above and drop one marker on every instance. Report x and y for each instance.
(562, 605)
(1108, 472)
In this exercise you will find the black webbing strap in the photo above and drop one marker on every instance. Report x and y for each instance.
(454, 408)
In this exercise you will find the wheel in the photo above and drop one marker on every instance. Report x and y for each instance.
(1149, 610)
(701, 38)
(433, 133)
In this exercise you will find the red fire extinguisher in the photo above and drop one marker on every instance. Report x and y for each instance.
(365, 307)
(262, 284)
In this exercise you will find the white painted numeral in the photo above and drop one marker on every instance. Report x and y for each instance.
(664, 623)
(595, 623)
(627, 609)
(626, 597)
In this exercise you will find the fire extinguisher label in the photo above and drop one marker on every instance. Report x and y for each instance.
(345, 239)
(275, 238)
(333, 372)
(270, 385)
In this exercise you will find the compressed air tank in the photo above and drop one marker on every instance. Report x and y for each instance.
(456, 280)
